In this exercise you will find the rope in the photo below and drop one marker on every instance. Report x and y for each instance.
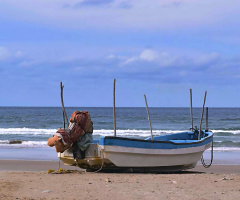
(202, 159)
(63, 171)
(101, 150)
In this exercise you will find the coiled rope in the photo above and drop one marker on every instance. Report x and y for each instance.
(202, 159)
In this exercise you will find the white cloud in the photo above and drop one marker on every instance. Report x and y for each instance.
(148, 55)
(130, 60)
(207, 58)
(162, 59)
(28, 63)
(114, 57)
(19, 54)
(152, 60)
(4, 54)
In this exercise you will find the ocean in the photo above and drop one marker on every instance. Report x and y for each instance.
(34, 125)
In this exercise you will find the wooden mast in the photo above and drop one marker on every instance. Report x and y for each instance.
(206, 128)
(191, 109)
(148, 116)
(114, 110)
(199, 134)
(63, 108)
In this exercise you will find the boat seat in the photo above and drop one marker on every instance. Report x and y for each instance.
(155, 139)
(181, 141)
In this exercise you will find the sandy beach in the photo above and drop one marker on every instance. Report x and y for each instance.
(30, 180)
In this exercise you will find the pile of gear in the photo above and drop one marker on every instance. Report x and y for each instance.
(77, 136)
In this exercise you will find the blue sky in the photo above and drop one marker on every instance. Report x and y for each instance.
(160, 48)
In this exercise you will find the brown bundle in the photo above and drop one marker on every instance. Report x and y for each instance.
(64, 138)
(83, 119)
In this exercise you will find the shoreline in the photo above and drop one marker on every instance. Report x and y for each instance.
(49, 154)
(44, 166)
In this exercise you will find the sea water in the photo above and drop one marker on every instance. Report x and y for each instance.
(34, 125)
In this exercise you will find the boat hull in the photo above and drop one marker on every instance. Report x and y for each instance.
(133, 158)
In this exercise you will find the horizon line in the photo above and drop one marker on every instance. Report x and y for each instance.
(112, 107)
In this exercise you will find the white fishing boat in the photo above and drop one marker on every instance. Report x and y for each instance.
(172, 152)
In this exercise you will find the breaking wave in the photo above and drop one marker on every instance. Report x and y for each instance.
(224, 140)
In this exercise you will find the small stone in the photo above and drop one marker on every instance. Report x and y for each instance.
(108, 180)
(174, 182)
(46, 191)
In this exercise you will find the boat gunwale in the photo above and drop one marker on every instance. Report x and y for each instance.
(159, 141)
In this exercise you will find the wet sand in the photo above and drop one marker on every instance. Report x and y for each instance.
(30, 165)
(30, 180)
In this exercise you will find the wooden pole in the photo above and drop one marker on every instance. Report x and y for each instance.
(114, 110)
(191, 109)
(61, 88)
(59, 162)
(63, 108)
(206, 128)
(202, 115)
(148, 116)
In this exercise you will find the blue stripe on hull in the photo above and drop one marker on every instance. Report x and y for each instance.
(156, 144)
